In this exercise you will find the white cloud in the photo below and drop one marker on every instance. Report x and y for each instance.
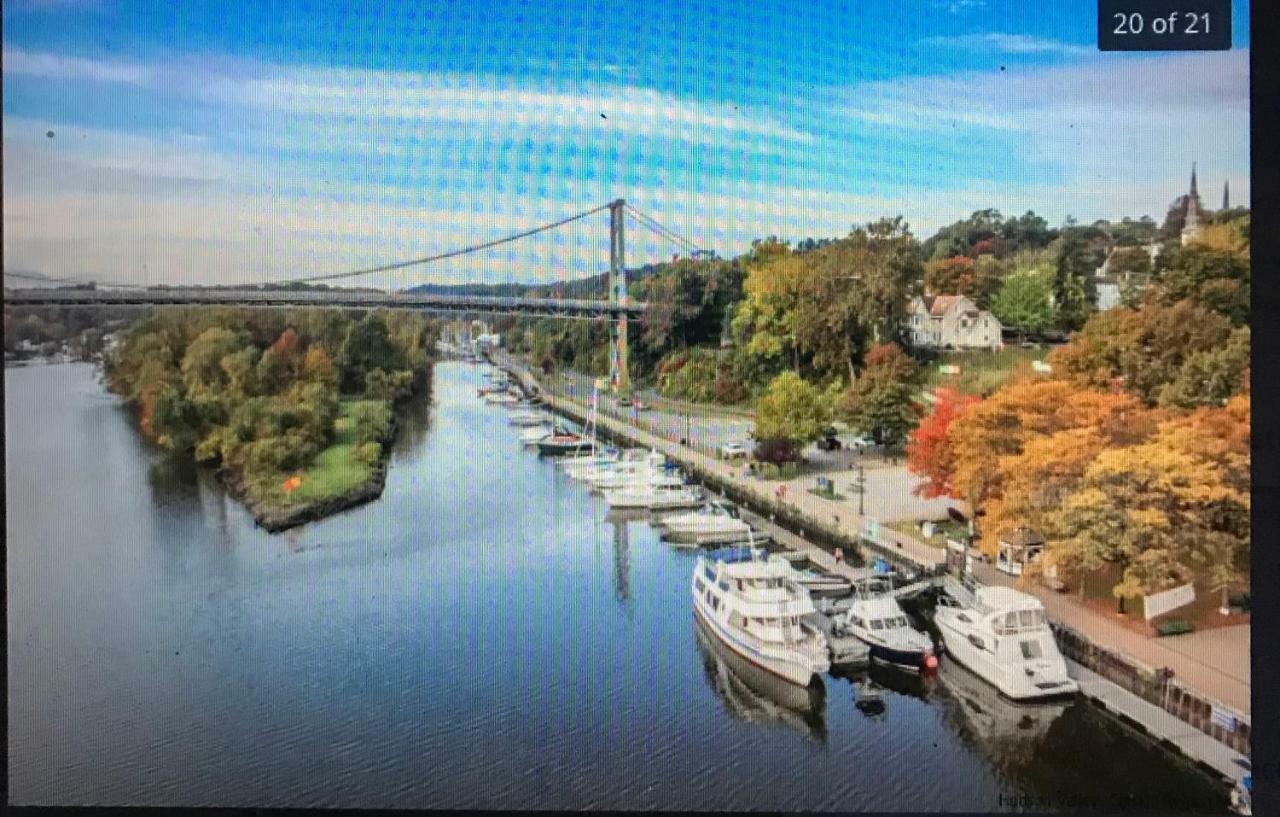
(1007, 44)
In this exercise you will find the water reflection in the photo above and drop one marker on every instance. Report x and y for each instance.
(752, 695)
(622, 559)
(1003, 727)
(872, 685)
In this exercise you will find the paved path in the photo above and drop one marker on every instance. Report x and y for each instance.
(1213, 662)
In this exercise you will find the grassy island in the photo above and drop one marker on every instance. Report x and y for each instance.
(295, 408)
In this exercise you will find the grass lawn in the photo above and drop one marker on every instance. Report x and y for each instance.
(837, 497)
(942, 530)
(982, 372)
(334, 472)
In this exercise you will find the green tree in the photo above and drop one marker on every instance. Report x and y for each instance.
(1209, 377)
(791, 409)
(368, 347)
(1025, 302)
(881, 402)
(371, 421)
(202, 370)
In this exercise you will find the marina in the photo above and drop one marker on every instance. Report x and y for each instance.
(368, 665)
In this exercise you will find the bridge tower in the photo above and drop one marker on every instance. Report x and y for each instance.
(619, 378)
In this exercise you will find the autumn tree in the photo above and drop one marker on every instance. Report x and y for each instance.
(1143, 349)
(929, 452)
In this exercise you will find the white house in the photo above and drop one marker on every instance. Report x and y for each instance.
(952, 322)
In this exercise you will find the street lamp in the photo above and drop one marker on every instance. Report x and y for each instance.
(861, 487)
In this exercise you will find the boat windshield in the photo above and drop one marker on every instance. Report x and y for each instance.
(1017, 621)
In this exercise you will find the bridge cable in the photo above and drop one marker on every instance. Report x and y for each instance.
(653, 224)
(450, 254)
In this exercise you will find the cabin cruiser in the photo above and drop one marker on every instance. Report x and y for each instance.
(526, 417)
(712, 523)
(657, 494)
(630, 464)
(876, 618)
(577, 464)
(749, 604)
(1002, 635)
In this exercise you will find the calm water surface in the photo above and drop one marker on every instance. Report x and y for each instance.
(481, 636)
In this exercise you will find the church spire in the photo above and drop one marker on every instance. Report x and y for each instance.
(1193, 180)
(1226, 195)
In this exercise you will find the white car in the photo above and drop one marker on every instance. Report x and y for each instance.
(732, 451)
(863, 442)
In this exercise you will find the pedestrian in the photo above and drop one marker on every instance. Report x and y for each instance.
(839, 554)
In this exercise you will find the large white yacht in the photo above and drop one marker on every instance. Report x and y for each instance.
(748, 602)
(711, 524)
(626, 475)
(1002, 635)
(656, 494)
(877, 619)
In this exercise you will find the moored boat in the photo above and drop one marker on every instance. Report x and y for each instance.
(710, 524)
(877, 619)
(750, 604)
(1002, 635)
(655, 495)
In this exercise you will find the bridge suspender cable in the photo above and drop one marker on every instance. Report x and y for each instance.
(452, 253)
(655, 226)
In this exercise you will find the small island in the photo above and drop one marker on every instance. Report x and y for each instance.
(294, 408)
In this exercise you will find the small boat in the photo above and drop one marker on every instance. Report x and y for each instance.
(535, 434)
(578, 464)
(526, 417)
(712, 523)
(633, 477)
(1001, 634)
(655, 495)
(501, 398)
(876, 618)
(749, 603)
(562, 441)
(822, 583)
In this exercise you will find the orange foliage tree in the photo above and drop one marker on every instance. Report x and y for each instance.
(929, 450)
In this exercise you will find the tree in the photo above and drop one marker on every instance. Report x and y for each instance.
(202, 364)
(1025, 302)
(1218, 279)
(949, 276)
(317, 367)
(929, 452)
(1208, 377)
(1143, 349)
(881, 402)
(763, 326)
(371, 421)
(368, 346)
(791, 409)
(1076, 259)
(855, 294)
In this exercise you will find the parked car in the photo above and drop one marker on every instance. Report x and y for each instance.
(863, 442)
(733, 451)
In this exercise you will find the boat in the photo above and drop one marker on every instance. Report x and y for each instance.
(628, 465)
(527, 417)
(876, 618)
(535, 434)
(821, 584)
(749, 603)
(1002, 635)
(634, 477)
(501, 397)
(752, 695)
(657, 494)
(576, 465)
(563, 441)
(712, 523)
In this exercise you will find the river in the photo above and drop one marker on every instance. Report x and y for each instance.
(480, 637)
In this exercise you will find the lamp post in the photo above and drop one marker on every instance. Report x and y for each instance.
(861, 487)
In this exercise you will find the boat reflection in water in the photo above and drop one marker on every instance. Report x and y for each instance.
(1007, 728)
(755, 696)
(875, 684)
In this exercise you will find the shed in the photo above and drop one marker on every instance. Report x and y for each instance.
(1018, 548)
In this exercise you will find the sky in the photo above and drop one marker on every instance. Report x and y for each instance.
(229, 143)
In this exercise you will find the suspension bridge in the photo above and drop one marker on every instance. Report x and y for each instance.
(304, 291)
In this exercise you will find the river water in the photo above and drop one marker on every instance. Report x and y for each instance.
(481, 636)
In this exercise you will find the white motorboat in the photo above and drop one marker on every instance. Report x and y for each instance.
(534, 434)
(634, 477)
(610, 472)
(655, 495)
(750, 604)
(712, 523)
(1002, 635)
(578, 464)
(877, 619)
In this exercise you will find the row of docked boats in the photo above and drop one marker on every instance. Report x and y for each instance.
(762, 607)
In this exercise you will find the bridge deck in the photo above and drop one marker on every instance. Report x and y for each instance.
(178, 296)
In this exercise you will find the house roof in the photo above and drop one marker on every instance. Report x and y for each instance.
(939, 305)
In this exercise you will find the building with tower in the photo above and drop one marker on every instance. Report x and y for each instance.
(1194, 224)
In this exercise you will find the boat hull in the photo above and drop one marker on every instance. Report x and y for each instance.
(789, 671)
(959, 649)
(556, 448)
(903, 658)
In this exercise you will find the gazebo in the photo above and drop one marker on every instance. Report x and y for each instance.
(1018, 548)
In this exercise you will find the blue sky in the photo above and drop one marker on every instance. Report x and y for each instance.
(205, 142)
